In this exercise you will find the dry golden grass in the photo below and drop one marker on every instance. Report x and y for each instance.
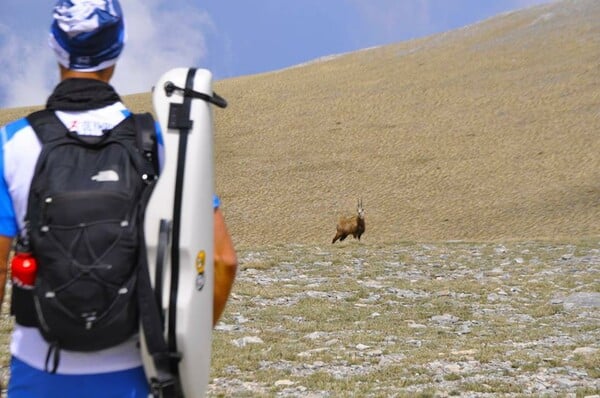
(485, 133)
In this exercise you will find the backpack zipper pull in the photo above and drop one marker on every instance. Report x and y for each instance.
(89, 322)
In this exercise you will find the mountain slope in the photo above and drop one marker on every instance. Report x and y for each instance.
(484, 133)
(488, 132)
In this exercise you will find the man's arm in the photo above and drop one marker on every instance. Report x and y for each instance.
(225, 260)
(5, 245)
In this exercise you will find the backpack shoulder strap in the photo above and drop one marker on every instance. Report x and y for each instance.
(166, 383)
(147, 140)
(47, 125)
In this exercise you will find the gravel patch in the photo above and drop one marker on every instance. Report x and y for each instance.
(469, 320)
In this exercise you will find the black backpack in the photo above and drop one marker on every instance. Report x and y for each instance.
(84, 226)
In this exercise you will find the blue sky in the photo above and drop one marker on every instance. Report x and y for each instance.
(229, 37)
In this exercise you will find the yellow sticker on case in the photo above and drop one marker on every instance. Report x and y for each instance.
(200, 267)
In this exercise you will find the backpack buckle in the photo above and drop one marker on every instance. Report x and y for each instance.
(164, 387)
(166, 383)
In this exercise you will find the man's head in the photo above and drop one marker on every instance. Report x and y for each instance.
(87, 35)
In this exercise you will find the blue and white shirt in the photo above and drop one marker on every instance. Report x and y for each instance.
(18, 156)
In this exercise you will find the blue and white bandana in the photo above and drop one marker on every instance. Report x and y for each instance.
(87, 35)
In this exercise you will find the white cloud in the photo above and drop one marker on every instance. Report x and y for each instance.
(159, 38)
(28, 70)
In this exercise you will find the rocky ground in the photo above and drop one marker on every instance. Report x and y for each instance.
(404, 320)
(452, 319)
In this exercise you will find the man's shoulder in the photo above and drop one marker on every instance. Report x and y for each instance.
(9, 130)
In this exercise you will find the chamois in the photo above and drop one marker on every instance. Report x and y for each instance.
(354, 225)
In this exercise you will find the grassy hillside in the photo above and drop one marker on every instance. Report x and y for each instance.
(484, 133)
